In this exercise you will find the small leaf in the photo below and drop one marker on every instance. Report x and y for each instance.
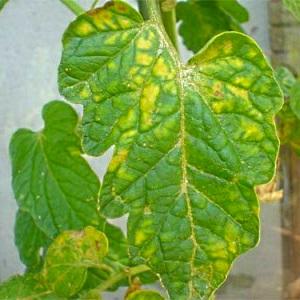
(191, 141)
(145, 295)
(51, 180)
(286, 80)
(90, 295)
(294, 7)
(2, 4)
(30, 240)
(289, 125)
(116, 261)
(69, 257)
(25, 287)
(295, 99)
(202, 20)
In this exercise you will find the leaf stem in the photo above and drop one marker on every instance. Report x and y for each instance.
(94, 4)
(73, 6)
(119, 276)
(168, 15)
(150, 9)
(162, 12)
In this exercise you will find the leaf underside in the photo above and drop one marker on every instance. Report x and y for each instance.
(191, 141)
(202, 20)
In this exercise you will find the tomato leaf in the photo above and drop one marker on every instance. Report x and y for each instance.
(25, 287)
(30, 240)
(51, 180)
(295, 99)
(145, 295)
(289, 125)
(2, 4)
(294, 7)
(191, 141)
(69, 257)
(202, 20)
(234, 9)
(286, 80)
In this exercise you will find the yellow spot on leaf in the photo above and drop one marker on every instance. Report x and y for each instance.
(227, 47)
(149, 96)
(161, 69)
(134, 70)
(124, 173)
(117, 160)
(238, 92)
(97, 98)
(237, 62)
(129, 120)
(252, 131)
(222, 106)
(138, 79)
(84, 29)
(242, 81)
(111, 40)
(140, 237)
(143, 43)
(84, 93)
(144, 59)
(149, 251)
(128, 134)
(221, 266)
(112, 65)
(232, 247)
(124, 23)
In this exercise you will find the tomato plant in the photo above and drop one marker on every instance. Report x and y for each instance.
(191, 142)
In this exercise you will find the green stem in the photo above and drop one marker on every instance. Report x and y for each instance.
(168, 15)
(119, 276)
(94, 4)
(151, 9)
(73, 6)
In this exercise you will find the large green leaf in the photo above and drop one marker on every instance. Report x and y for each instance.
(191, 141)
(69, 257)
(30, 240)
(24, 288)
(51, 180)
(202, 20)
(294, 7)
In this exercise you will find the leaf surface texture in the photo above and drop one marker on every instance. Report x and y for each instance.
(191, 141)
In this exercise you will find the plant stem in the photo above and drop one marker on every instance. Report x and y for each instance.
(94, 4)
(162, 12)
(119, 276)
(149, 9)
(73, 6)
(168, 15)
